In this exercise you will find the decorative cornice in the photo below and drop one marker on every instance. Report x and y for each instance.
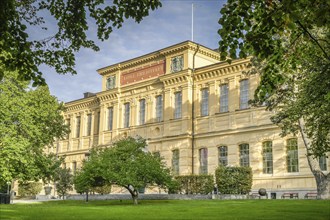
(82, 104)
(220, 69)
(159, 55)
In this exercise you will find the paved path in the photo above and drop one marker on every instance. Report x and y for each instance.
(16, 201)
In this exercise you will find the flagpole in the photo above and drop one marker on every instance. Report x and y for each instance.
(192, 22)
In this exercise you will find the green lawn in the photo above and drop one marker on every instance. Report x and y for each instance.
(165, 209)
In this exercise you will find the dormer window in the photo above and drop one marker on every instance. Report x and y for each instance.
(176, 64)
(111, 82)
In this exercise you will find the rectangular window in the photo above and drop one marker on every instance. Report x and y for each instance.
(98, 123)
(204, 102)
(224, 91)
(78, 127)
(244, 155)
(111, 82)
(89, 125)
(244, 94)
(175, 162)
(178, 105)
(159, 108)
(203, 161)
(323, 163)
(68, 123)
(126, 114)
(292, 155)
(74, 168)
(223, 155)
(267, 157)
(142, 113)
(110, 118)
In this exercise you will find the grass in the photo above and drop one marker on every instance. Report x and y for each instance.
(173, 209)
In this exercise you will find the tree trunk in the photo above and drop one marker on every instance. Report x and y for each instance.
(134, 193)
(322, 180)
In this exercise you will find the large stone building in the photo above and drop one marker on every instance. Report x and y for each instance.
(193, 110)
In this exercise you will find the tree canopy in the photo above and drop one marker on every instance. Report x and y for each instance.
(30, 120)
(126, 164)
(290, 45)
(73, 19)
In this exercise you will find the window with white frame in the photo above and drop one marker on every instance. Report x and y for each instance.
(323, 163)
(89, 125)
(98, 115)
(223, 155)
(175, 161)
(111, 82)
(110, 118)
(178, 105)
(244, 94)
(77, 126)
(159, 108)
(126, 114)
(203, 161)
(176, 64)
(292, 160)
(205, 102)
(244, 155)
(224, 91)
(267, 157)
(142, 112)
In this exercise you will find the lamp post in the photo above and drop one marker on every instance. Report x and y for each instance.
(8, 184)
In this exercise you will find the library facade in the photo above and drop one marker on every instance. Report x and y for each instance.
(193, 111)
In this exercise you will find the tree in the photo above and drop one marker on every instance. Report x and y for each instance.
(73, 18)
(290, 45)
(125, 164)
(64, 181)
(30, 119)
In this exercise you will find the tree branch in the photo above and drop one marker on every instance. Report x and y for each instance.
(311, 36)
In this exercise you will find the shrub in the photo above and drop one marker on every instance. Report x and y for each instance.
(105, 189)
(233, 180)
(195, 184)
(29, 188)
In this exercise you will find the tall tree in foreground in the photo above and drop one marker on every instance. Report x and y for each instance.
(30, 119)
(290, 45)
(126, 164)
(57, 47)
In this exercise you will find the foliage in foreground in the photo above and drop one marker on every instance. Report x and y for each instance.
(126, 164)
(64, 181)
(29, 188)
(57, 47)
(30, 119)
(290, 45)
(233, 180)
(195, 184)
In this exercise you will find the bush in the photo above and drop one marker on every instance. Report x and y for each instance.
(29, 188)
(105, 189)
(233, 180)
(195, 184)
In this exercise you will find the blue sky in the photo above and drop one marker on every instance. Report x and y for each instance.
(168, 25)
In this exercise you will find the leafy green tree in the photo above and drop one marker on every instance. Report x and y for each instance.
(290, 45)
(64, 182)
(73, 18)
(30, 119)
(127, 164)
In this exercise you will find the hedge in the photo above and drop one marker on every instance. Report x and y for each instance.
(29, 188)
(233, 180)
(195, 184)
